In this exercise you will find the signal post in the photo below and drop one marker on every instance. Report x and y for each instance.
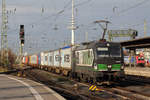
(22, 40)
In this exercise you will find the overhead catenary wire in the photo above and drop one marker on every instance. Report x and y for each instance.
(45, 18)
(59, 13)
(82, 3)
(134, 6)
(127, 9)
(56, 14)
(79, 4)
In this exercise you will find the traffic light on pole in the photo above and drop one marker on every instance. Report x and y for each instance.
(22, 34)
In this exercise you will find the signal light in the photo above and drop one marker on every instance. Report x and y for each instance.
(135, 33)
(22, 42)
(22, 34)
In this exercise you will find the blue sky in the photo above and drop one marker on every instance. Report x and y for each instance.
(39, 27)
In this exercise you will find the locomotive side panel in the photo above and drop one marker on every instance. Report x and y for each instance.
(84, 57)
(84, 63)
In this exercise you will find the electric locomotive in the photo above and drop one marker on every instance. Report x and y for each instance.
(98, 61)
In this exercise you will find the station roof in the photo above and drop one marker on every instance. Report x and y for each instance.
(137, 43)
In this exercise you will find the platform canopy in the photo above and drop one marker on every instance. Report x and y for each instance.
(137, 43)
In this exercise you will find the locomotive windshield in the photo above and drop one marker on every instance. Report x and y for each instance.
(115, 51)
(111, 51)
(102, 52)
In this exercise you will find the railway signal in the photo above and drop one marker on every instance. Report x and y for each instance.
(22, 40)
(22, 34)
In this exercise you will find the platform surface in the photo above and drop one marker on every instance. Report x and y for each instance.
(15, 88)
(139, 71)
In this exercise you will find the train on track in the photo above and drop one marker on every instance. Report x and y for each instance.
(139, 60)
(93, 61)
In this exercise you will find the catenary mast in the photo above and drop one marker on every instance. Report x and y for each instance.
(4, 42)
(73, 25)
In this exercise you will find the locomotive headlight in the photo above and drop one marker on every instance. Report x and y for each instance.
(95, 66)
(108, 44)
(109, 66)
(122, 67)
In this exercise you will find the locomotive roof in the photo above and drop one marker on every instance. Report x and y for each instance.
(92, 44)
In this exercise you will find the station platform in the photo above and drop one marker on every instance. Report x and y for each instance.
(16, 88)
(138, 71)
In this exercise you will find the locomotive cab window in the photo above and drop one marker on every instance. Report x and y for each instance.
(102, 51)
(115, 51)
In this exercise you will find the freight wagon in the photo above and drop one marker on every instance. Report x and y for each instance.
(25, 60)
(33, 60)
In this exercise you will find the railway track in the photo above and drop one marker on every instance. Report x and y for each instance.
(67, 91)
(113, 92)
(133, 89)
(79, 93)
(127, 94)
(141, 83)
(67, 88)
(119, 88)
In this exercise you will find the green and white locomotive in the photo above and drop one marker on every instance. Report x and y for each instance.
(98, 61)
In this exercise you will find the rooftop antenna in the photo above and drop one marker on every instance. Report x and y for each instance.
(103, 27)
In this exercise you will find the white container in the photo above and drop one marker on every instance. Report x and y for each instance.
(66, 58)
(57, 58)
(51, 59)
